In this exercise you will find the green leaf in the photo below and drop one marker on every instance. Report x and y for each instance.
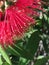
(40, 57)
(42, 61)
(45, 46)
(5, 56)
(33, 43)
(23, 61)
(45, 17)
(1, 62)
(20, 51)
(5, 63)
(48, 20)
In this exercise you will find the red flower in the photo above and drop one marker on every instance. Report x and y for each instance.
(0, 15)
(15, 22)
(26, 3)
(29, 6)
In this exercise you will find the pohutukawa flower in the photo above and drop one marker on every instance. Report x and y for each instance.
(14, 21)
(29, 6)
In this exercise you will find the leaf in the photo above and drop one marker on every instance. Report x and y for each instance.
(1, 62)
(23, 61)
(33, 43)
(48, 20)
(45, 17)
(40, 57)
(5, 63)
(45, 46)
(5, 56)
(20, 51)
(42, 61)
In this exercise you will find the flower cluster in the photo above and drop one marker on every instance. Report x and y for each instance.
(15, 21)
